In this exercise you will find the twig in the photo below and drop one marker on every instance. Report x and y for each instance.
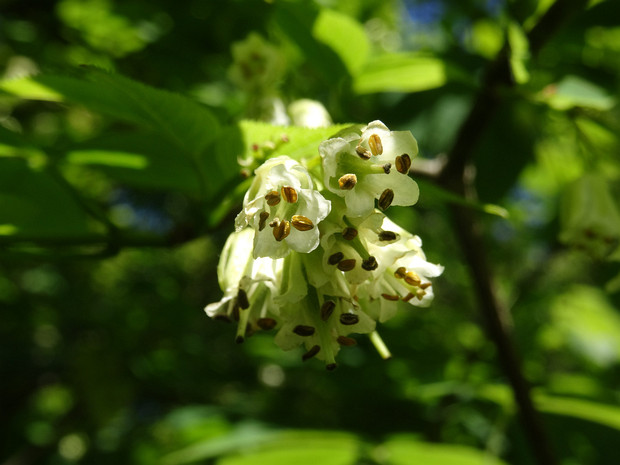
(455, 177)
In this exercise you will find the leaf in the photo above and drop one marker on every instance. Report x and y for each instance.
(33, 204)
(138, 159)
(345, 36)
(187, 124)
(407, 450)
(297, 21)
(574, 91)
(401, 72)
(301, 448)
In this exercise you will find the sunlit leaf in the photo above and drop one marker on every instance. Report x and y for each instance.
(301, 448)
(184, 122)
(574, 91)
(407, 450)
(403, 72)
(345, 36)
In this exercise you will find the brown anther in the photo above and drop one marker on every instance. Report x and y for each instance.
(239, 339)
(390, 297)
(331, 366)
(327, 309)
(311, 353)
(284, 138)
(347, 182)
(266, 323)
(272, 198)
(346, 341)
(302, 223)
(335, 258)
(401, 272)
(413, 279)
(349, 319)
(387, 236)
(255, 147)
(349, 233)
(346, 265)
(403, 163)
(273, 224)
(387, 168)
(385, 200)
(245, 173)
(374, 142)
(370, 263)
(224, 318)
(408, 297)
(281, 230)
(362, 152)
(289, 194)
(303, 330)
(263, 219)
(425, 286)
(242, 299)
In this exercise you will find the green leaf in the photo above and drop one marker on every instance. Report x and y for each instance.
(574, 91)
(345, 36)
(297, 21)
(407, 450)
(187, 124)
(296, 142)
(138, 159)
(301, 448)
(401, 72)
(33, 204)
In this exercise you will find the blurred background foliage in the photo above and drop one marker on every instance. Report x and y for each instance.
(117, 191)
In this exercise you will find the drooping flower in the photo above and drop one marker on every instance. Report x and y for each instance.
(283, 208)
(371, 166)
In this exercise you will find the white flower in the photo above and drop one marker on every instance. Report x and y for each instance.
(283, 208)
(371, 166)
(250, 286)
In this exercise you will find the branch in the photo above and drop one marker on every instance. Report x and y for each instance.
(456, 177)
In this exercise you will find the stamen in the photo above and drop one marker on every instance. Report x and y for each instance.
(387, 236)
(289, 194)
(362, 152)
(346, 265)
(281, 230)
(349, 233)
(347, 182)
(425, 286)
(263, 220)
(387, 167)
(386, 199)
(335, 258)
(400, 272)
(302, 223)
(390, 297)
(413, 279)
(370, 263)
(303, 330)
(266, 323)
(242, 299)
(311, 353)
(403, 163)
(327, 309)
(374, 142)
(408, 297)
(349, 319)
(272, 198)
(420, 293)
(346, 341)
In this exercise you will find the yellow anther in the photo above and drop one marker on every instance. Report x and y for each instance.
(289, 194)
(281, 230)
(347, 182)
(272, 198)
(403, 163)
(386, 198)
(374, 142)
(302, 223)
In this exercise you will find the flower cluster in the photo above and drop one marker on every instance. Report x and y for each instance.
(315, 258)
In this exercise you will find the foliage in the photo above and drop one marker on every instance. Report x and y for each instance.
(127, 134)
